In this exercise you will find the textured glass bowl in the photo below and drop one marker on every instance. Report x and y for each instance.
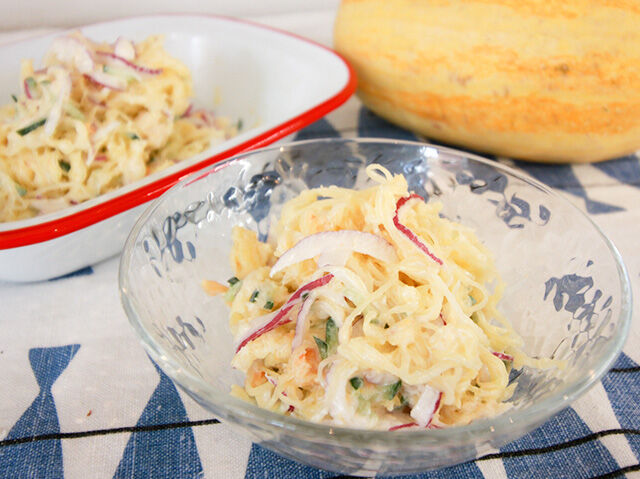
(567, 292)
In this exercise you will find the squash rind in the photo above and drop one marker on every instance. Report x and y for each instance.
(546, 81)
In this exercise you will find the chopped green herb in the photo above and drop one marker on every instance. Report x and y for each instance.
(15, 98)
(233, 289)
(31, 83)
(132, 135)
(64, 165)
(386, 325)
(356, 383)
(21, 190)
(239, 124)
(268, 305)
(331, 337)
(473, 300)
(151, 159)
(29, 128)
(233, 280)
(254, 296)
(73, 112)
(305, 295)
(322, 347)
(125, 74)
(45, 82)
(391, 390)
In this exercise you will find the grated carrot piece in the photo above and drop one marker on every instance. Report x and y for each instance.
(213, 288)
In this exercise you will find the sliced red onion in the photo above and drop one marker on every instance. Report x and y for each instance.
(27, 90)
(266, 323)
(412, 424)
(310, 286)
(402, 426)
(426, 407)
(271, 380)
(503, 356)
(302, 323)
(332, 241)
(107, 81)
(101, 158)
(340, 408)
(71, 51)
(124, 48)
(202, 117)
(55, 114)
(410, 234)
(274, 383)
(187, 112)
(337, 257)
(103, 132)
(256, 324)
(53, 119)
(379, 377)
(133, 66)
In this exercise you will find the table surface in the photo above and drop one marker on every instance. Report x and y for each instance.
(80, 398)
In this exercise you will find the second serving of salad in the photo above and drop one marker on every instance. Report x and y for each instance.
(95, 117)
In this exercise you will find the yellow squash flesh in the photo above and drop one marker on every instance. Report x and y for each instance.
(545, 80)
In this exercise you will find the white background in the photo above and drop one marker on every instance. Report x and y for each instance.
(33, 14)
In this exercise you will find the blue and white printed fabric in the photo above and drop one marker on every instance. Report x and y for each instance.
(79, 398)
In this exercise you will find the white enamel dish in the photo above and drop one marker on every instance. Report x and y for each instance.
(274, 81)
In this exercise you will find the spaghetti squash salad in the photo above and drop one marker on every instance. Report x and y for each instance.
(97, 116)
(368, 309)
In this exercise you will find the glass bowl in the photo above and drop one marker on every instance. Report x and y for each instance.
(567, 293)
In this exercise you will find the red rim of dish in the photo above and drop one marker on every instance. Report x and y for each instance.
(68, 224)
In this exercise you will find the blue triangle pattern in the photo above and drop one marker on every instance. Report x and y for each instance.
(372, 126)
(325, 159)
(39, 458)
(166, 452)
(623, 395)
(624, 362)
(564, 178)
(556, 176)
(81, 272)
(585, 460)
(264, 464)
(468, 470)
(319, 129)
(625, 169)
